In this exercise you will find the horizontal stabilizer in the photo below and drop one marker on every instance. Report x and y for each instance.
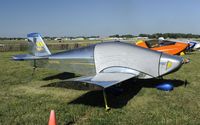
(105, 80)
(26, 57)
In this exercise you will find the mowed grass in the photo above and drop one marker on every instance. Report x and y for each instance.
(27, 99)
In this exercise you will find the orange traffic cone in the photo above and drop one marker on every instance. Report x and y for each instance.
(52, 118)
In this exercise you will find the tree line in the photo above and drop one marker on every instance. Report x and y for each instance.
(157, 35)
(7, 38)
(122, 36)
(170, 35)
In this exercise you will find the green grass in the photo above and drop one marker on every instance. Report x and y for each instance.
(12, 41)
(26, 99)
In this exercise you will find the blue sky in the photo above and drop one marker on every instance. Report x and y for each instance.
(98, 17)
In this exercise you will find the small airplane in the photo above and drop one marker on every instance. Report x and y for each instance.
(166, 46)
(112, 62)
(193, 45)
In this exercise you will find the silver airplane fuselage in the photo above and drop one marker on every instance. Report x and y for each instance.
(117, 57)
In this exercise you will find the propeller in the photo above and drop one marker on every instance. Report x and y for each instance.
(186, 60)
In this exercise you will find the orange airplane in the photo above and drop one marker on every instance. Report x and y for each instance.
(166, 46)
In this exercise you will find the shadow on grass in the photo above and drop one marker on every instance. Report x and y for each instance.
(72, 85)
(61, 76)
(117, 96)
(68, 84)
(130, 89)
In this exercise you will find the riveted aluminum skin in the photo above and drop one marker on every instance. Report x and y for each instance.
(80, 53)
(79, 61)
(112, 54)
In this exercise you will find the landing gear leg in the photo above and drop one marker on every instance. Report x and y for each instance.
(105, 100)
(34, 67)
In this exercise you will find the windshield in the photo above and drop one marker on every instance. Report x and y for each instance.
(158, 43)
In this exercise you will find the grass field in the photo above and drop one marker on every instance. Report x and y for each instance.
(26, 99)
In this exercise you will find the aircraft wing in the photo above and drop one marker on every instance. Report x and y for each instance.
(105, 79)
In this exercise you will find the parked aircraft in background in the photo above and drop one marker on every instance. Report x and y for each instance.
(166, 46)
(193, 45)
